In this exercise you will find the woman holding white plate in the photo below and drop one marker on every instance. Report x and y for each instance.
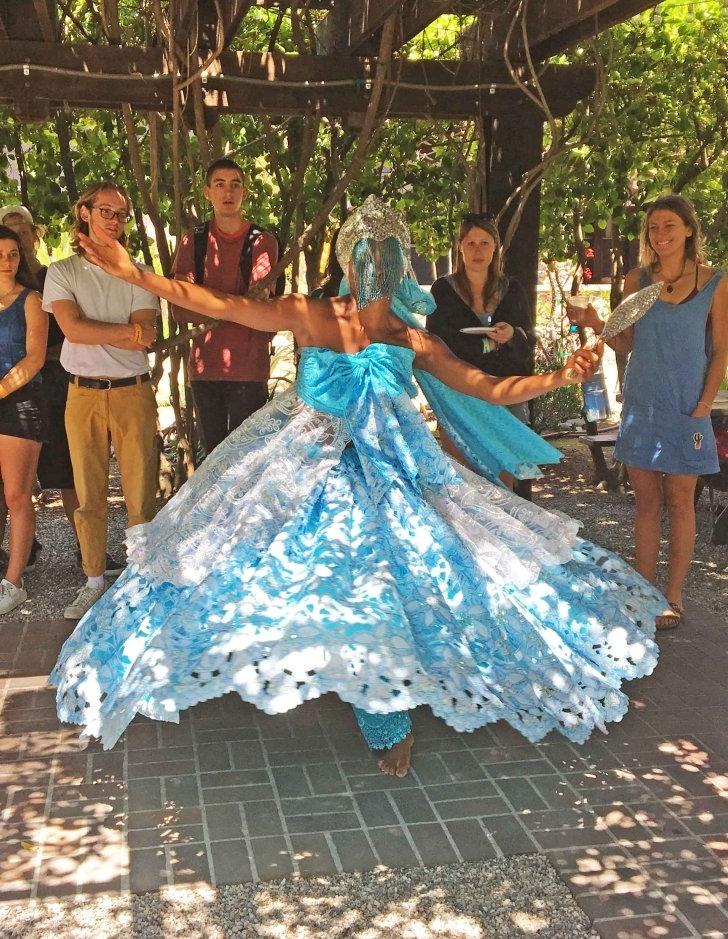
(485, 317)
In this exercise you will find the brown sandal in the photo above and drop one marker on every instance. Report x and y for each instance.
(671, 618)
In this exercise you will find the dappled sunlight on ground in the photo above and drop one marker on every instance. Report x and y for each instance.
(608, 519)
(504, 899)
(635, 822)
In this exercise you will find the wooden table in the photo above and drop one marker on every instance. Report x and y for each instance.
(596, 444)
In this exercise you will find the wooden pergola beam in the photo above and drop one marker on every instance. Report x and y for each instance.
(561, 23)
(252, 82)
(546, 20)
(233, 14)
(367, 18)
(28, 19)
(419, 14)
(551, 26)
(284, 4)
(46, 14)
(206, 12)
(184, 14)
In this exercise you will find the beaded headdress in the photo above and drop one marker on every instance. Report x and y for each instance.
(376, 241)
(631, 310)
(373, 220)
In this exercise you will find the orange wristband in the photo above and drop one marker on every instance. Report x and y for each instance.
(137, 332)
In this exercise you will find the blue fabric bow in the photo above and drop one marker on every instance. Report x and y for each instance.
(491, 438)
(371, 392)
(335, 382)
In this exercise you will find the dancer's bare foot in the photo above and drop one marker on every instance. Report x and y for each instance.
(396, 761)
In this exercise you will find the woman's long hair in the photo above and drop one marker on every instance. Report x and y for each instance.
(23, 275)
(87, 199)
(685, 210)
(495, 270)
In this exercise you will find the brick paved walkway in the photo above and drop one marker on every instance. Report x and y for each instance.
(636, 822)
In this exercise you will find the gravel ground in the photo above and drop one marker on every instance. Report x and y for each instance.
(607, 519)
(505, 899)
(53, 584)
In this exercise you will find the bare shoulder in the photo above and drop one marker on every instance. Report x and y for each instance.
(707, 272)
(313, 319)
(427, 347)
(326, 309)
(632, 281)
(33, 302)
(36, 318)
(720, 297)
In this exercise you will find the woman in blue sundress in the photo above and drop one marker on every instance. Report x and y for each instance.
(679, 353)
(328, 545)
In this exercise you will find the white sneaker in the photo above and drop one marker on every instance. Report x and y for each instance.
(11, 596)
(85, 599)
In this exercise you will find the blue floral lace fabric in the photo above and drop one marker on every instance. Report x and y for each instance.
(328, 545)
(383, 731)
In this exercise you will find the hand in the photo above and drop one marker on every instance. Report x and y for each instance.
(584, 316)
(582, 364)
(702, 409)
(108, 254)
(149, 334)
(501, 332)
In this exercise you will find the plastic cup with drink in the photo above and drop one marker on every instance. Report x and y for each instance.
(577, 302)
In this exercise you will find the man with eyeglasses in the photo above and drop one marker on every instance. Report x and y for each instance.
(108, 325)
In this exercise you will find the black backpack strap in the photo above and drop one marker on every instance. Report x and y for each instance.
(246, 256)
(200, 235)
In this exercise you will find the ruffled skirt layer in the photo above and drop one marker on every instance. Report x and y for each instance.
(276, 575)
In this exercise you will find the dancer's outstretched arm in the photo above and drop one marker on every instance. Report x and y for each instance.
(265, 315)
(432, 355)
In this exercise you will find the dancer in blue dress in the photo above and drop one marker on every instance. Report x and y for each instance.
(328, 545)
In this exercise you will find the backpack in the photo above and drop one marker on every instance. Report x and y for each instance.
(201, 234)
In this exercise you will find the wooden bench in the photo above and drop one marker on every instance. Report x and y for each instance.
(596, 444)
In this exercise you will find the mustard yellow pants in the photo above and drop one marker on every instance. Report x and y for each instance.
(126, 417)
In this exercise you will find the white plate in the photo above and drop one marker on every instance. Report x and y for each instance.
(478, 330)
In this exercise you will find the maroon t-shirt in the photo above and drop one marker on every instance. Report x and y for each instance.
(229, 352)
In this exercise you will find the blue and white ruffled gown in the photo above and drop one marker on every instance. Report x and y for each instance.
(329, 545)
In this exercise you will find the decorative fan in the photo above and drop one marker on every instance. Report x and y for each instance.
(631, 310)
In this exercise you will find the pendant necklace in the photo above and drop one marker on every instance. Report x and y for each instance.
(670, 284)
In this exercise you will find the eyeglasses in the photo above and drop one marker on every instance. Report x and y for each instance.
(122, 216)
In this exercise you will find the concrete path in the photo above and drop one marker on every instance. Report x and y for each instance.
(636, 822)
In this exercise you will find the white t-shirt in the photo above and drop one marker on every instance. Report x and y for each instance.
(100, 297)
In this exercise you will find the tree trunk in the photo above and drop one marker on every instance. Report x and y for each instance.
(63, 133)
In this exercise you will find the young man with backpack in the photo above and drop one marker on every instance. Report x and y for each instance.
(229, 366)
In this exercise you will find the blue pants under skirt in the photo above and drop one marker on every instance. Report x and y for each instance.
(382, 731)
